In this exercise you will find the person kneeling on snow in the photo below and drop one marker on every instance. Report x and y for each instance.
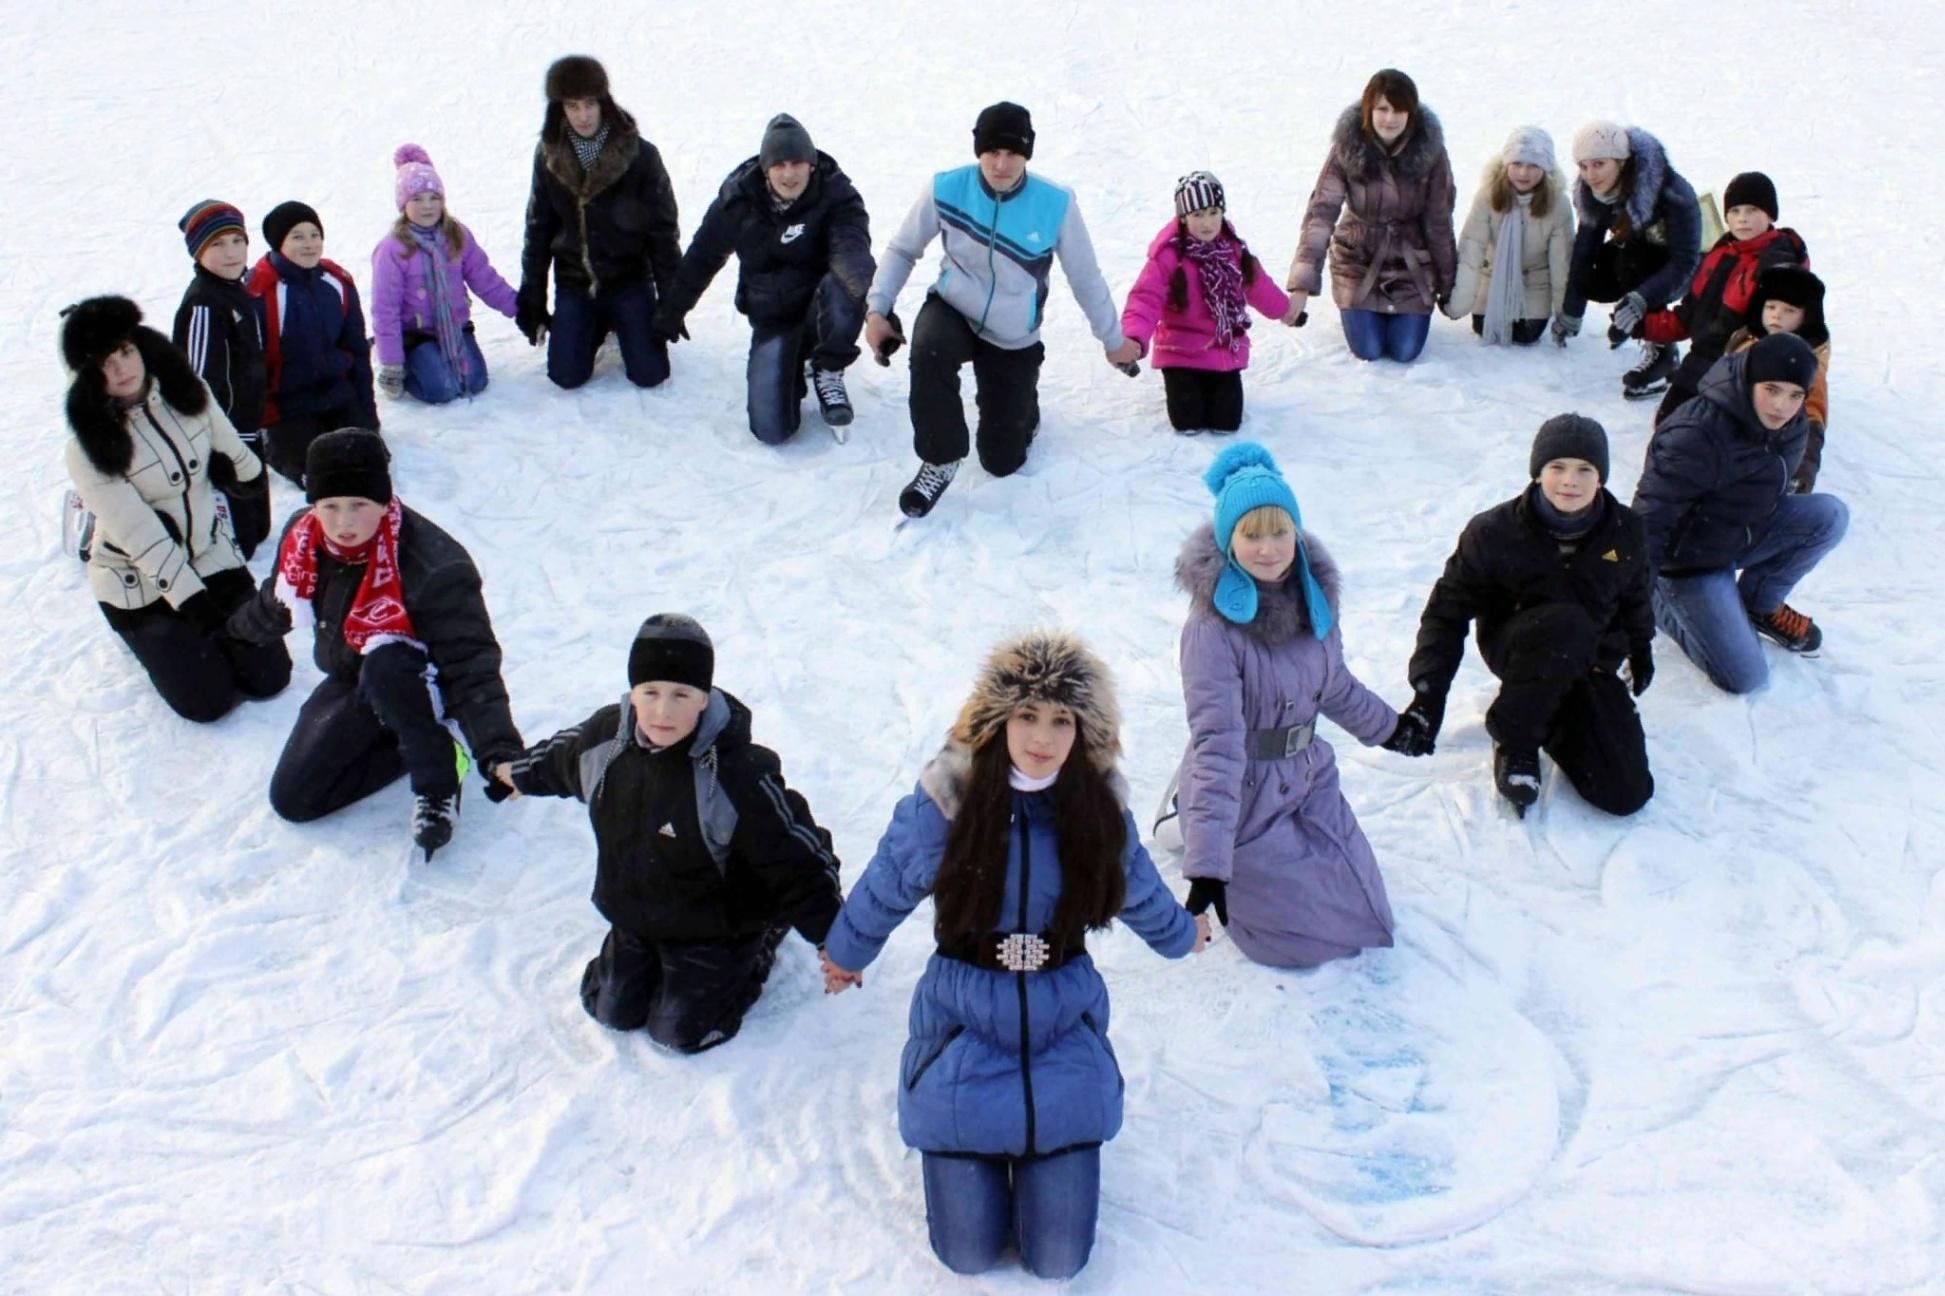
(1789, 299)
(1715, 497)
(704, 859)
(1557, 579)
(798, 227)
(403, 639)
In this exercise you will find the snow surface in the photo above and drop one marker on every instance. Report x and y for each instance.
(1701, 1050)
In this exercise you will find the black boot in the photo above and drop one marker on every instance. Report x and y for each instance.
(1650, 377)
(1516, 773)
(917, 499)
(433, 819)
(833, 402)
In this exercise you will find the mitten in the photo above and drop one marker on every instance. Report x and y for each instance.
(1204, 892)
(391, 380)
(1564, 327)
(260, 620)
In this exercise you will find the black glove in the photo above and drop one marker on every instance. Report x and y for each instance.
(1641, 668)
(201, 609)
(891, 344)
(260, 620)
(1416, 733)
(670, 329)
(1204, 892)
(530, 317)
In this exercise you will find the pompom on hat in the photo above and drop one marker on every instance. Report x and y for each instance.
(415, 175)
(1244, 477)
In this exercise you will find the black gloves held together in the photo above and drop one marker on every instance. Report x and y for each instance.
(1205, 892)
(531, 318)
(260, 620)
(1416, 733)
(1641, 668)
(670, 328)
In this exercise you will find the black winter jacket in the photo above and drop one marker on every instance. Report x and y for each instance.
(1714, 475)
(448, 611)
(1507, 562)
(1660, 208)
(602, 227)
(781, 254)
(700, 841)
(219, 326)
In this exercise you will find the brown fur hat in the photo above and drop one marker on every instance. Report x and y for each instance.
(576, 76)
(1044, 666)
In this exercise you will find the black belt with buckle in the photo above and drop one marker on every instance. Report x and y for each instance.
(1012, 951)
(1278, 744)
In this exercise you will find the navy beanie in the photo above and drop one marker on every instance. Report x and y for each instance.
(672, 647)
(1569, 436)
(1781, 357)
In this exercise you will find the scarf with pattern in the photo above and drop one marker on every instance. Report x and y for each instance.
(1220, 264)
(377, 615)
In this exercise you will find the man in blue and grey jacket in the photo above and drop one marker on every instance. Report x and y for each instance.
(999, 230)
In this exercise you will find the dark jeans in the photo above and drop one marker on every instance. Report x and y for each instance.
(1525, 331)
(1006, 385)
(352, 739)
(287, 443)
(1202, 399)
(1620, 265)
(581, 322)
(200, 674)
(1374, 335)
(828, 331)
(1553, 698)
(1047, 1204)
(691, 995)
(429, 377)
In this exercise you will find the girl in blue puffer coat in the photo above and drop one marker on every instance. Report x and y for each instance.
(1020, 833)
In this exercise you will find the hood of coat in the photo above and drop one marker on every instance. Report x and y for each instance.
(1726, 386)
(100, 424)
(1362, 155)
(945, 776)
(1650, 174)
(1280, 612)
(617, 155)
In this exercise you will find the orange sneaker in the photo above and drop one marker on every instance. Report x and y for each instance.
(1790, 628)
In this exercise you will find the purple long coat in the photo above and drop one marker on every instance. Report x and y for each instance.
(401, 302)
(1303, 883)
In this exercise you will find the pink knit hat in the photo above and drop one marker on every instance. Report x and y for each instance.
(415, 175)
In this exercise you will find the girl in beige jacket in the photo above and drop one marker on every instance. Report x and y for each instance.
(1513, 273)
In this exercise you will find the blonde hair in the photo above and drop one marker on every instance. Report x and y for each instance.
(1265, 519)
(1502, 194)
(455, 234)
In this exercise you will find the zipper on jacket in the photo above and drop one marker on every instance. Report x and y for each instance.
(936, 1054)
(188, 513)
(992, 275)
(1020, 980)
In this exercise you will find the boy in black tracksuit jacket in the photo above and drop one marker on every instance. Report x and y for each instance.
(1561, 597)
(219, 326)
(703, 857)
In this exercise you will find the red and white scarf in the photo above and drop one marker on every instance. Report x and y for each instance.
(377, 615)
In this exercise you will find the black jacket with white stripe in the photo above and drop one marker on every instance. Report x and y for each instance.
(700, 841)
(220, 327)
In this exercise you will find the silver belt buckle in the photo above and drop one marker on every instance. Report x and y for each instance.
(1023, 952)
(1295, 739)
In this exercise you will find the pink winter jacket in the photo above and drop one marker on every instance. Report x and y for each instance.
(401, 303)
(1185, 339)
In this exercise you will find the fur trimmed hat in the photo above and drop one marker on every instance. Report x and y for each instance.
(576, 76)
(94, 328)
(1602, 139)
(1044, 666)
(1799, 288)
(415, 175)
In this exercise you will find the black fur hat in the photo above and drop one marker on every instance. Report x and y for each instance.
(94, 328)
(1800, 288)
(576, 76)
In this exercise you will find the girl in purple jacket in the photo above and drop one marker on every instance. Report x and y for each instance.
(420, 271)
(1190, 303)
(1271, 843)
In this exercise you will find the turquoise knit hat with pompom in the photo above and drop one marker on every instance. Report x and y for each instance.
(1245, 477)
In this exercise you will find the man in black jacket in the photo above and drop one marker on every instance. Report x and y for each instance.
(1557, 579)
(703, 857)
(800, 233)
(1715, 498)
(601, 212)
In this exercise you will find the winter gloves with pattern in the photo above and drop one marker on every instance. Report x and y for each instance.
(391, 380)
(1629, 312)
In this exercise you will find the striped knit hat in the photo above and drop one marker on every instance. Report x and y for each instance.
(206, 220)
(1196, 190)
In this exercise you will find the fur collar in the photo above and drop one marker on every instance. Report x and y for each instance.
(1650, 174)
(945, 775)
(102, 427)
(617, 155)
(1360, 154)
(1280, 614)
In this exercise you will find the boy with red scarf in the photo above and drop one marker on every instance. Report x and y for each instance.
(403, 639)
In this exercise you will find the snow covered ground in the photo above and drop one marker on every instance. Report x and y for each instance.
(1702, 1050)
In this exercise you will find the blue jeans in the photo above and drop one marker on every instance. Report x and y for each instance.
(1375, 334)
(429, 378)
(581, 322)
(1048, 1204)
(1708, 615)
(828, 331)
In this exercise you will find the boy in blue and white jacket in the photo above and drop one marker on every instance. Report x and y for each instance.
(999, 230)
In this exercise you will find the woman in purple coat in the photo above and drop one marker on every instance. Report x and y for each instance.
(1271, 843)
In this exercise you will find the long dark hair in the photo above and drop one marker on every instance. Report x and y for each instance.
(1178, 282)
(1089, 829)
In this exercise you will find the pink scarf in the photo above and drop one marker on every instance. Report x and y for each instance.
(1220, 263)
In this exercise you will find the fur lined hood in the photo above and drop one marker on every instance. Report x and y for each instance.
(1650, 174)
(1359, 154)
(617, 155)
(1280, 612)
(1043, 666)
(945, 776)
(101, 426)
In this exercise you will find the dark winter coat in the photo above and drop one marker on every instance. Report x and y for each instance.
(1714, 475)
(1659, 207)
(1816, 402)
(600, 227)
(219, 326)
(1393, 250)
(700, 841)
(448, 611)
(316, 355)
(1507, 562)
(1001, 1063)
(781, 255)
(1718, 297)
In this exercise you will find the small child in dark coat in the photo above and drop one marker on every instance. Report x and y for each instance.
(1558, 580)
(704, 859)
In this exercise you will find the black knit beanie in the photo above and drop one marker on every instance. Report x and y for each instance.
(349, 462)
(1003, 126)
(672, 647)
(1781, 357)
(1569, 436)
(1751, 189)
(285, 217)
(785, 141)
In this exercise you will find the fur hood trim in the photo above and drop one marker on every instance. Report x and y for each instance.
(1650, 174)
(1280, 612)
(617, 155)
(1044, 666)
(1361, 155)
(945, 776)
(101, 426)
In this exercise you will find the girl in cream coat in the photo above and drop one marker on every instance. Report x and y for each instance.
(1514, 307)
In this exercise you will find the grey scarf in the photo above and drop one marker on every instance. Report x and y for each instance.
(1506, 293)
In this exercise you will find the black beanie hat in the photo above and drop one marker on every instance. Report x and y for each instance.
(285, 217)
(784, 140)
(672, 647)
(92, 329)
(1781, 357)
(348, 462)
(1003, 126)
(1751, 189)
(1569, 436)
(577, 76)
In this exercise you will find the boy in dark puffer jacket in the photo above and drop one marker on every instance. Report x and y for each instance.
(703, 857)
(1789, 299)
(1557, 579)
